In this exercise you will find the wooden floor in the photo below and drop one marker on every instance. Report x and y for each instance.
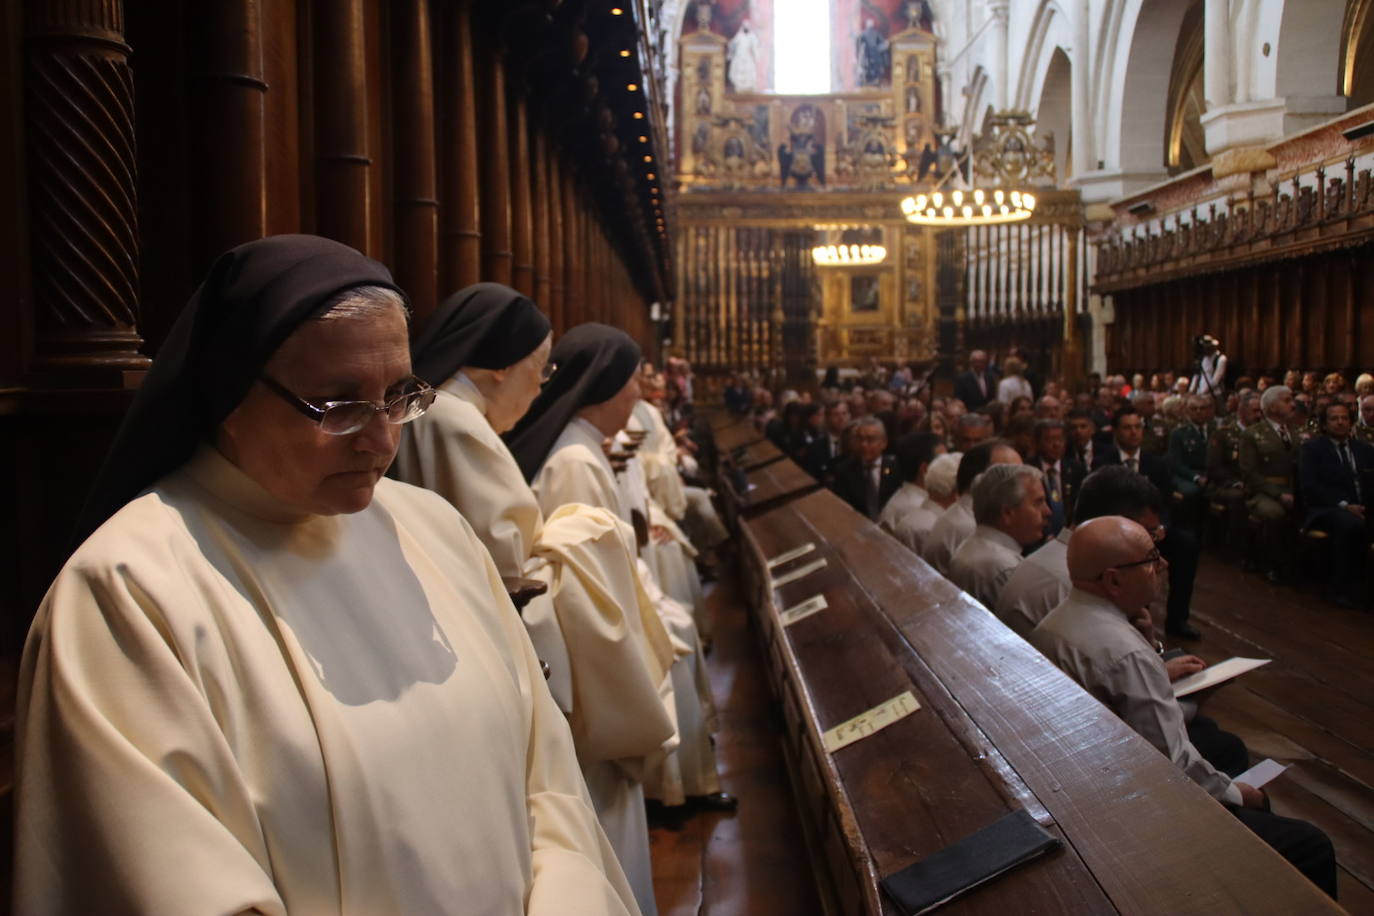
(1312, 708)
(752, 862)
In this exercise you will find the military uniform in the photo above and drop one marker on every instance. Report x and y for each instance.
(1188, 459)
(1224, 483)
(1363, 433)
(1156, 435)
(1267, 464)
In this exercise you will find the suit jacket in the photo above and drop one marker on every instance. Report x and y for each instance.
(966, 388)
(1156, 470)
(1327, 481)
(1264, 460)
(819, 459)
(850, 483)
(1187, 458)
(1104, 453)
(1071, 475)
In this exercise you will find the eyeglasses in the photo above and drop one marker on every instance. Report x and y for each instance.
(547, 372)
(339, 418)
(1153, 559)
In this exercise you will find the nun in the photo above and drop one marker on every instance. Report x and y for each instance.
(271, 680)
(560, 446)
(486, 349)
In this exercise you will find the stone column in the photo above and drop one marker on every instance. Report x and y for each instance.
(1216, 55)
(998, 33)
(1080, 81)
(79, 125)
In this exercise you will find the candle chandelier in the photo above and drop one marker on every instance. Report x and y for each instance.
(1005, 163)
(849, 246)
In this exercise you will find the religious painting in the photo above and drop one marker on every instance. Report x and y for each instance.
(873, 55)
(863, 293)
(802, 157)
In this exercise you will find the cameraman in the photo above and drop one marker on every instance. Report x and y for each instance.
(1209, 367)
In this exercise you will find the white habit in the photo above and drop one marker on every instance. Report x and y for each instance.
(597, 628)
(228, 706)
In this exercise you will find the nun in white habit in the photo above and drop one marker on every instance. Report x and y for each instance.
(269, 681)
(558, 444)
(486, 349)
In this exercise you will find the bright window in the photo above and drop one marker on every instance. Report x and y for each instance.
(801, 47)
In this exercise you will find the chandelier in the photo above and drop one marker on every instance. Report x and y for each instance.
(976, 208)
(848, 255)
(1004, 162)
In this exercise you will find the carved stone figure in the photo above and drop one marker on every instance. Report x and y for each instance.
(874, 55)
(741, 56)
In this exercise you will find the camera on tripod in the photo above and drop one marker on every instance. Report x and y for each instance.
(1205, 345)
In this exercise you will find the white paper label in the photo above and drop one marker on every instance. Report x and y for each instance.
(801, 611)
(797, 573)
(791, 555)
(871, 722)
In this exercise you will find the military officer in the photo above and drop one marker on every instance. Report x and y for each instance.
(1156, 431)
(1268, 458)
(1188, 460)
(1224, 482)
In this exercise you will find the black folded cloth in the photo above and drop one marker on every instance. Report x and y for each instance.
(995, 849)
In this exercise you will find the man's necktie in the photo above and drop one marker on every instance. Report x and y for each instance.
(1349, 461)
(872, 476)
(1287, 439)
(1133, 464)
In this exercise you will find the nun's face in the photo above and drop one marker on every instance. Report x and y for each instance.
(611, 416)
(286, 452)
(519, 386)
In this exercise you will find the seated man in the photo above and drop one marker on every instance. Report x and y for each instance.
(1268, 460)
(915, 452)
(260, 685)
(828, 448)
(1188, 459)
(1041, 582)
(1334, 472)
(970, 429)
(1224, 483)
(1009, 507)
(867, 478)
(1115, 568)
(913, 527)
(957, 523)
(1062, 477)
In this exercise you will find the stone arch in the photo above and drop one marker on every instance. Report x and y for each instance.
(1054, 112)
(1136, 85)
(1307, 49)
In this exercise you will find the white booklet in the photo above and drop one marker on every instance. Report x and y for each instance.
(1261, 773)
(1216, 674)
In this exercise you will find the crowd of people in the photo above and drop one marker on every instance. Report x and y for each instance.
(1067, 513)
(271, 679)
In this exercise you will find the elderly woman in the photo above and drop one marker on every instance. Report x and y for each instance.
(271, 680)
(487, 350)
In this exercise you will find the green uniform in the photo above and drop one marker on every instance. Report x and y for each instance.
(1267, 466)
(1156, 435)
(1224, 482)
(1188, 459)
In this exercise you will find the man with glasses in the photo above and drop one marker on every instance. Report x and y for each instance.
(1116, 571)
(258, 684)
(867, 478)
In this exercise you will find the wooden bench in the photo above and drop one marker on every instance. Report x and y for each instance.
(999, 728)
(771, 485)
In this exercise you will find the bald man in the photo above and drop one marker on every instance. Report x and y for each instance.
(1116, 571)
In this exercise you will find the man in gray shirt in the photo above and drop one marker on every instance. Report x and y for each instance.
(1116, 571)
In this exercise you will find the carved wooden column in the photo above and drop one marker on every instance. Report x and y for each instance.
(572, 256)
(231, 102)
(460, 254)
(494, 168)
(521, 206)
(417, 206)
(83, 213)
(342, 160)
(557, 244)
(539, 162)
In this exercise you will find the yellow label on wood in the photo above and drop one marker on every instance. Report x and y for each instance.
(790, 555)
(799, 572)
(867, 723)
(801, 611)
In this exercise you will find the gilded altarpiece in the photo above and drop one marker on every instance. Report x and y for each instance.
(762, 177)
